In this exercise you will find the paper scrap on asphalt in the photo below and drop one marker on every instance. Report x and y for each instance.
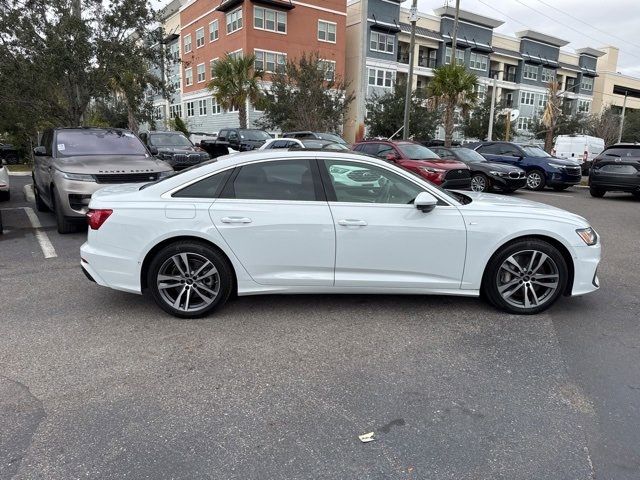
(367, 437)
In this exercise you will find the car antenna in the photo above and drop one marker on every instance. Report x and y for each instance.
(397, 132)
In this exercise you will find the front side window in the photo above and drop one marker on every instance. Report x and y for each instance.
(326, 31)
(355, 182)
(234, 20)
(97, 142)
(290, 180)
(417, 152)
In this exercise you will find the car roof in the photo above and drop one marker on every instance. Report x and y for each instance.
(392, 142)
(104, 129)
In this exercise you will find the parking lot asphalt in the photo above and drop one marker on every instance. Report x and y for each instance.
(101, 384)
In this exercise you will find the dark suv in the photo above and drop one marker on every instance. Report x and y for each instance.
(242, 139)
(542, 169)
(174, 148)
(616, 169)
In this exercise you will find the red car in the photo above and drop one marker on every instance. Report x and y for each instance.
(420, 160)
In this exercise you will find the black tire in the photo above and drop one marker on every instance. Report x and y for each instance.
(5, 196)
(636, 194)
(560, 188)
(1, 227)
(536, 180)
(480, 183)
(196, 251)
(597, 192)
(508, 190)
(40, 205)
(63, 223)
(494, 275)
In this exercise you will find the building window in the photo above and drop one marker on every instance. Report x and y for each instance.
(584, 106)
(174, 51)
(381, 78)
(548, 75)
(157, 113)
(530, 72)
(175, 111)
(191, 109)
(200, 37)
(215, 107)
(234, 20)
(174, 80)
(381, 42)
(326, 31)
(213, 31)
(188, 76)
(481, 92)
(459, 56)
(187, 43)
(329, 69)
(478, 61)
(586, 84)
(212, 66)
(237, 54)
(271, 20)
(527, 98)
(524, 124)
(271, 62)
(202, 107)
(542, 100)
(201, 73)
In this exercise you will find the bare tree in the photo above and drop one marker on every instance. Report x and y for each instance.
(606, 126)
(551, 113)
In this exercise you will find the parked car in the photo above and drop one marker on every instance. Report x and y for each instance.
(542, 169)
(72, 163)
(331, 137)
(485, 175)
(9, 154)
(281, 222)
(419, 160)
(174, 148)
(285, 142)
(5, 190)
(582, 148)
(242, 139)
(616, 169)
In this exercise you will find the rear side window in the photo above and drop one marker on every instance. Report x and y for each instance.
(280, 180)
(209, 187)
(490, 149)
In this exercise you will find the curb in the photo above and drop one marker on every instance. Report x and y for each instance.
(19, 174)
(28, 193)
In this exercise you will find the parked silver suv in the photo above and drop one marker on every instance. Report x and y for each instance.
(72, 163)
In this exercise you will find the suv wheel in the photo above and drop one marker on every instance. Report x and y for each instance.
(525, 278)
(480, 183)
(63, 223)
(189, 279)
(597, 192)
(535, 180)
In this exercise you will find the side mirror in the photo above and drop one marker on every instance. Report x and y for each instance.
(40, 151)
(153, 151)
(425, 202)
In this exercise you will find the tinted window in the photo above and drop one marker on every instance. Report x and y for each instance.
(416, 152)
(509, 150)
(279, 144)
(384, 150)
(622, 152)
(98, 142)
(222, 135)
(210, 187)
(368, 148)
(46, 139)
(363, 183)
(280, 180)
(253, 135)
(535, 152)
(469, 156)
(169, 140)
(493, 149)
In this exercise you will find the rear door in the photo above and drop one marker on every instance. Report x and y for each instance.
(275, 218)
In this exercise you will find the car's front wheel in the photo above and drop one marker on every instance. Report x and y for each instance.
(526, 277)
(63, 223)
(597, 192)
(535, 180)
(189, 279)
(480, 183)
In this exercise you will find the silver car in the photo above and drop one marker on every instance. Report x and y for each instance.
(72, 163)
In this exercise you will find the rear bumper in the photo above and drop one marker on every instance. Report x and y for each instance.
(621, 183)
(118, 268)
(585, 262)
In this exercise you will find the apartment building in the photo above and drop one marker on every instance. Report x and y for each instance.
(273, 30)
(610, 87)
(378, 34)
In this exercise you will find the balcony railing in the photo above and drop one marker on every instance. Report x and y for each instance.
(506, 75)
(427, 62)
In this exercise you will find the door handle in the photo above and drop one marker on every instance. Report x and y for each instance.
(236, 220)
(352, 223)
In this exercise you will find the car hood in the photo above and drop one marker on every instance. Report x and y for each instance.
(442, 164)
(178, 149)
(106, 164)
(502, 204)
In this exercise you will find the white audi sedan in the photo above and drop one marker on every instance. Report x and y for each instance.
(286, 222)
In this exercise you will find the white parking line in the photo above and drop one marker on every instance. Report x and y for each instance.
(551, 194)
(28, 193)
(19, 174)
(45, 244)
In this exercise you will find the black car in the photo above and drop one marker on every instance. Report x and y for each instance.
(174, 148)
(616, 169)
(485, 176)
(9, 154)
(242, 139)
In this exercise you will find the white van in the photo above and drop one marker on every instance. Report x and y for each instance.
(582, 148)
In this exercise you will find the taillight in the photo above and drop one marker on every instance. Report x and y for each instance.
(95, 218)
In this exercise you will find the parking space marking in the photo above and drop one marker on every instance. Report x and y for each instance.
(43, 240)
(28, 193)
(550, 194)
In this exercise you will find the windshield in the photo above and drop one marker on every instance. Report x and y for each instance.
(254, 135)
(323, 144)
(622, 152)
(332, 138)
(469, 156)
(70, 143)
(417, 152)
(535, 152)
(181, 172)
(169, 140)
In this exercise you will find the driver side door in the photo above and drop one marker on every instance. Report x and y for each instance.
(382, 239)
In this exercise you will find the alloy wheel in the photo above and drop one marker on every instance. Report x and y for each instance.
(528, 279)
(478, 183)
(534, 180)
(188, 282)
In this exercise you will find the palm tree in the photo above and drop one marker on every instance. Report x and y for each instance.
(235, 80)
(452, 87)
(552, 111)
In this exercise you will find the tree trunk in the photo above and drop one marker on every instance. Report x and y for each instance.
(132, 121)
(448, 125)
(242, 115)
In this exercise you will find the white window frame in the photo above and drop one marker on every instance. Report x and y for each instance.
(323, 27)
(459, 56)
(276, 63)
(188, 77)
(190, 108)
(200, 37)
(524, 124)
(386, 37)
(381, 75)
(202, 107)
(586, 84)
(481, 91)
(547, 74)
(187, 43)
(542, 100)
(527, 98)
(478, 61)
(216, 109)
(214, 31)
(234, 17)
(277, 16)
(212, 62)
(202, 73)
(530, 72)
(584, 106)
(175, 110)
(332, 68)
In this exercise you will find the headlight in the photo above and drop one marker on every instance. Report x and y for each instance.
(499, 174)
(588, 235)
(79, 177)
(432, 170)
(165, 174)
(555, 165)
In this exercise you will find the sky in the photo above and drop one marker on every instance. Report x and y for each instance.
(584, 23)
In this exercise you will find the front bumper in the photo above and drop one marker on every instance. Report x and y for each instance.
(561, 178)
(74, 196)
(585, 264)
(508, 183)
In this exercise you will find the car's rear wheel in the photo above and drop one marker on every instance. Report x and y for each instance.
(189, 279)
(535, 180)
(480, 183)
(63, 223)
(527, 277)
(597, 192)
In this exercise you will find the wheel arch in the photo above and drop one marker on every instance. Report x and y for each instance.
(562, 248)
